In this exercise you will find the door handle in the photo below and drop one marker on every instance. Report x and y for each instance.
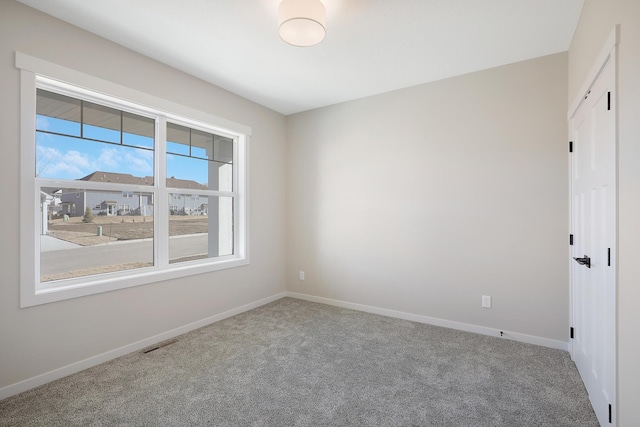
(584, 261)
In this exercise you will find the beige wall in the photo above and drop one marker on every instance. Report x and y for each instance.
(424, 199)
(596, 23)
(38, 339)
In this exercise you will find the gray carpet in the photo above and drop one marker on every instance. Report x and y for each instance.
(293, 362)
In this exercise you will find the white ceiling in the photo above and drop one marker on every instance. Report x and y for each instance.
(372, 46)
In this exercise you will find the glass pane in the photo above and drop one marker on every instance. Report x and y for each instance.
(196, 157)
(223, 151)
(64, 152)
(138, 131)
(57, 113)
(61, 157)
(64, 115)
(192, 173)
(201, 144)
(200, 227)
(87, 232)
(178, 139)
(225, 227)
(101, 123)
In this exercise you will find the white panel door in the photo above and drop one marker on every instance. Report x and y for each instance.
(593, 284)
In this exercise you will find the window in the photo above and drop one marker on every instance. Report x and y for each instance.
(147, 193)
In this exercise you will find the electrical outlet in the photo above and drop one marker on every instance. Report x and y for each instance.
(486, 301)
(302, 275)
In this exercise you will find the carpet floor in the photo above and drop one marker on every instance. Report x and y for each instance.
(297, 363)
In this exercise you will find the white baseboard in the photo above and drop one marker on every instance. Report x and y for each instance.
(47, 377)
(515, 336)
(72, 368)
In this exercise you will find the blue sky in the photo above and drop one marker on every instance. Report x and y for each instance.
(71, 158)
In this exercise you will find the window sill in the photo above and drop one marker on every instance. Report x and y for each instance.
(73, 288)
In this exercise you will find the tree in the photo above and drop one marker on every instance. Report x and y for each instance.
(88, 215)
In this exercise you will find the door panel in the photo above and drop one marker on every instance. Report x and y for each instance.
(593, 225)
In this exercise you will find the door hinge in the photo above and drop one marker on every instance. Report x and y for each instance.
(608, 101)
(608, 257)
(610, 413)
(570, 239)
(571, 146)
(571, 332)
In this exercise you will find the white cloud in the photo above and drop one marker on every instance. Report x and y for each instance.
(125, 160)
(108, 157)
(42, 123)
(139, 164)
(52, 163)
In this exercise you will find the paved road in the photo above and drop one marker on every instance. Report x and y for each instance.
(125, 252)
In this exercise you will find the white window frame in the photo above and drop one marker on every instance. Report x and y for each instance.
(38, 73)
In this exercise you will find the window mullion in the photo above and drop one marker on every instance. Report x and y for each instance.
(81, 119)
(161, 213)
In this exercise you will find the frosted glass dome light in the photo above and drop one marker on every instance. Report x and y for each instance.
(302, 22)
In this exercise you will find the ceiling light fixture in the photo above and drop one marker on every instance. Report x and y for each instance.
(302, 22)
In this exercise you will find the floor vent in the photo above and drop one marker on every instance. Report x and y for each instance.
(159, 345)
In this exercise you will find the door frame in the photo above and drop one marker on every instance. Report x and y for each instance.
(607, 55)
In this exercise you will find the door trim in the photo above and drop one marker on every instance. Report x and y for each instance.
(608, 49)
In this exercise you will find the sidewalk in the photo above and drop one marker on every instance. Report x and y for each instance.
(48, 243)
